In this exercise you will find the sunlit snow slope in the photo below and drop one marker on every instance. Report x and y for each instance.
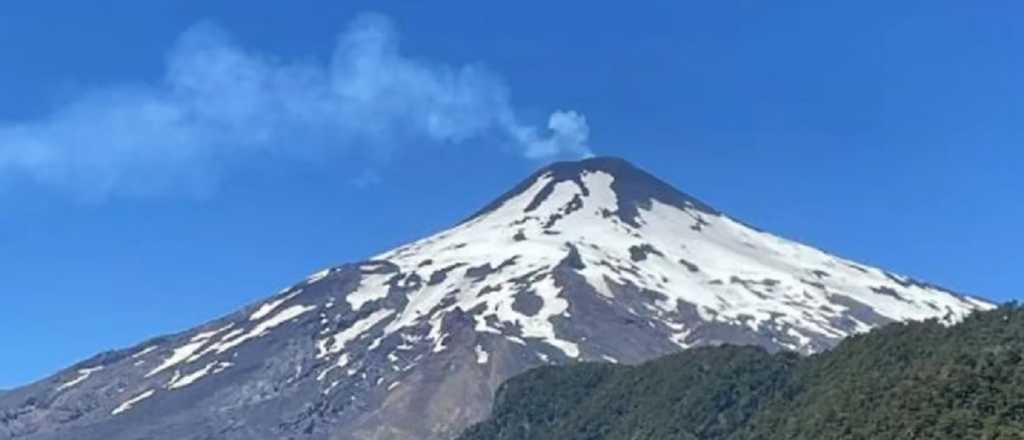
(688, 265)
(591, 260)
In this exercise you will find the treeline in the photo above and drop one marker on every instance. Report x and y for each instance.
(904, 381)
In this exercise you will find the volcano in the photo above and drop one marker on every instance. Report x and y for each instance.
(587, 261)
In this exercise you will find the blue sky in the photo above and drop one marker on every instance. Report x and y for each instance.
(165, 163)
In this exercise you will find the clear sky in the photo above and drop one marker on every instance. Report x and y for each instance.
(166, 162)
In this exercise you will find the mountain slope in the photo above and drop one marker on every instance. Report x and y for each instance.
(584, 261)
(905, 381)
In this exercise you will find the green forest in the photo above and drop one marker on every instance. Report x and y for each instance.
(920, 380)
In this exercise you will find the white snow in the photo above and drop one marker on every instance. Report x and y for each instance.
(342, 360)
(487, 240)
(263, 327)
(269, 307)
(371, 289)
(232, 334)
(482, 356)
(83, 374)
(318, 276)
(205, 343)
(337, 342)
(742, 276)
(178, 356)
(145, 351)
(202, 336)
(131, 402)
(188, 379)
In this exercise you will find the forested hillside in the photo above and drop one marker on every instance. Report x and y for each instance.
(904, 381)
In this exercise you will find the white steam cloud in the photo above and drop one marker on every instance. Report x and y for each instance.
(219, 102)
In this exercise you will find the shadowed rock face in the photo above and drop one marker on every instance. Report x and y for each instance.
(584, 261)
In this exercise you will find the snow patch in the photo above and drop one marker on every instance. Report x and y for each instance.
(188, 379)
(207, 335)
(482, 356)
(371, 288)
(179, 355)
(145, 351)
(263, 327)
(318, 276)
(269, 307)
(131, 402)
(83, 374)
(337, 342)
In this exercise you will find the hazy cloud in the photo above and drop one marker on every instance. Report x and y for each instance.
(568, 134)
(219, 102)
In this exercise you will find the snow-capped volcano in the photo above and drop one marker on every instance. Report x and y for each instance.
(584, 261)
